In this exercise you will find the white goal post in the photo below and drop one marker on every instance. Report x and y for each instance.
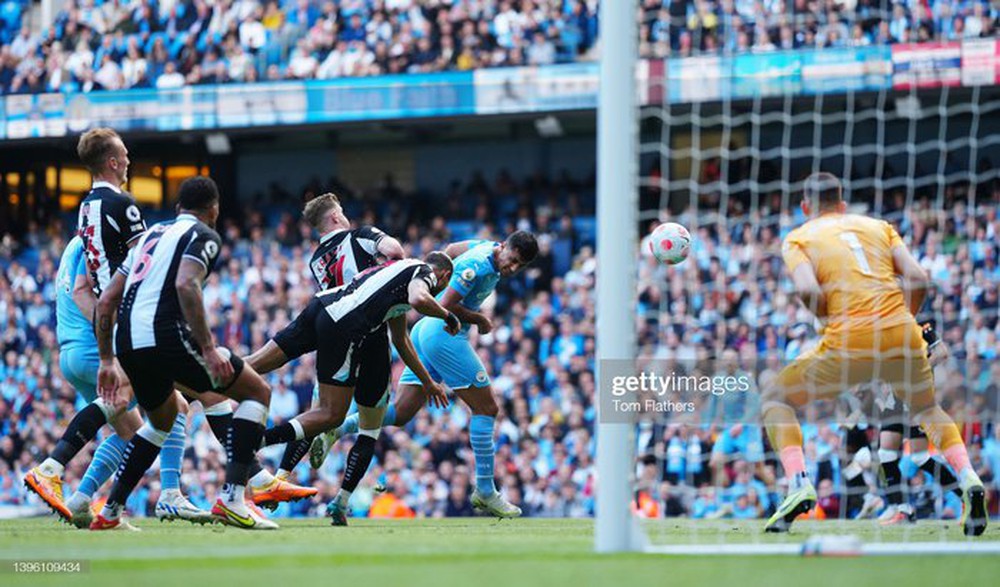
(617, 243)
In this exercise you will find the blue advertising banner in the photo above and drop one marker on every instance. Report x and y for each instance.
(847, 69)
(498, 91)
(768, 74)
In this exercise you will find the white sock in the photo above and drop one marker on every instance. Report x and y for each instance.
(168, 493)
(262, 478)
(51, 467)
(77, 498)
(233, 494)
(282, 474)
(111, 511)
(343, 498)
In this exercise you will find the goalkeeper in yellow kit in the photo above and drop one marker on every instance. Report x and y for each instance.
(857, 276)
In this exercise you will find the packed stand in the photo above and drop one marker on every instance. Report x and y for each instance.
(113, 44)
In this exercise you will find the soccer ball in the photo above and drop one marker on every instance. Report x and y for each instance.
(670, 243)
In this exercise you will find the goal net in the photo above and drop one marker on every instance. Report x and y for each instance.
(712, 331)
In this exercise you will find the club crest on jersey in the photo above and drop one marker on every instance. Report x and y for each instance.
(467, 276)
(481, 377)
(211, 250)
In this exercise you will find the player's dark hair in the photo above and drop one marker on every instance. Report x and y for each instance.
(823, 188)
(438, 260)
(197, 193)
(95, 146)
(525, 244)
(317, 208)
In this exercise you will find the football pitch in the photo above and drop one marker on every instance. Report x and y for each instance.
(474, 551)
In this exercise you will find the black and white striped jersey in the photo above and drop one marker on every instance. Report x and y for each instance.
(376, 295)
(150, 311)
(108, 222)
(342, 254)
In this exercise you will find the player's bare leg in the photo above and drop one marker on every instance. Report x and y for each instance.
(484, 408)
(358, 460)
(328, 412)
(409, 400)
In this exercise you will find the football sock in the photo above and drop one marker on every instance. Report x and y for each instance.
(358, 459)
(481, 438)
(891, 476)
(290, 431)
(220, 424)
(943, 433)
(294, 451)
(247, 429)
(220, 421)
(940, 471)
(81, 430)
(786, 437)
(139, 456)
(172, 454)
(106, 460)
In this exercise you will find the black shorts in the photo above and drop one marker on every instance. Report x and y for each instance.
(346, 357)
(299, 337)
(154, 371)
(898, 419)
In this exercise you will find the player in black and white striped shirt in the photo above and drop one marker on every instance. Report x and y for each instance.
(109, 222)
(163, 340)
(341, 253)
(337, 323)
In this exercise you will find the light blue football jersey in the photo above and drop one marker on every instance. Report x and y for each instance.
(71, 325)
(475, 275)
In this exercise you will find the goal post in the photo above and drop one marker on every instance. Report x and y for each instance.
(617, 241)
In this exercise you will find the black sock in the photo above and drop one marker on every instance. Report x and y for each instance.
(893, 482)
(357, 462)
(294, 451)
(246, 439)
(279, 434)
(856, 490)
(942, 474)
(221, 425)
(81, 430)
(137, 459)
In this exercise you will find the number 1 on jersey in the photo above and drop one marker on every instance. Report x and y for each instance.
(859, 252)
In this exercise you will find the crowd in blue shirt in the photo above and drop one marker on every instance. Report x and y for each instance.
(730, 295)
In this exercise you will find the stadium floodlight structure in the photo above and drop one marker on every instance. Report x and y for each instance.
(730, 165)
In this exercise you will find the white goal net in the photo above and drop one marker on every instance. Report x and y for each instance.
(706, 478)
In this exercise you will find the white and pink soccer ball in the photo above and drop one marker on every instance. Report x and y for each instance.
(670, 243)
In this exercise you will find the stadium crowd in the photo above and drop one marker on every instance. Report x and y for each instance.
(113, 44)
(728, 300)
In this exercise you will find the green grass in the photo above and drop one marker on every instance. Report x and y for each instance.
(474, 552)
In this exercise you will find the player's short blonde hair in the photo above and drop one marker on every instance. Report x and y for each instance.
(95, 146)
(317, 208)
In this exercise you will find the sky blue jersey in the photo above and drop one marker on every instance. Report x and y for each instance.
(475, 275)
(71, 325)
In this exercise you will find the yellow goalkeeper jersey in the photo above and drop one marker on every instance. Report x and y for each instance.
(852, 258)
